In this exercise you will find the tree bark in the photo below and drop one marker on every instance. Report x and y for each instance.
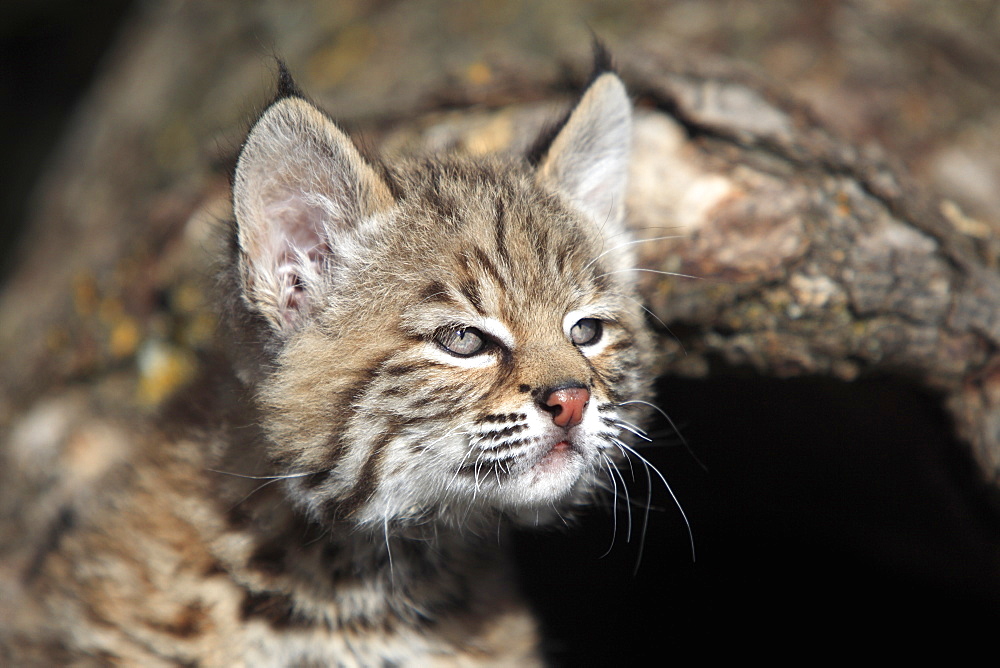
(808, 255)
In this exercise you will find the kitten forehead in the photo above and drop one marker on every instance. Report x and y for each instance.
(490, 222)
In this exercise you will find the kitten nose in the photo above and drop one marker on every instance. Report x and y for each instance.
(566, 404)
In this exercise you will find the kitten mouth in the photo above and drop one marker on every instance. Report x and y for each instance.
(556, 457)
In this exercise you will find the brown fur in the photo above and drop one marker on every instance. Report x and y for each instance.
(329, 503)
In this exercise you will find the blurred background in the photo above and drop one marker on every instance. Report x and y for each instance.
(873, 530)
(918, 76)
(49, 54)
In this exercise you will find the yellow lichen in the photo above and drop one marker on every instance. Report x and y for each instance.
(163, 369)
(478, 74)
(124, 338)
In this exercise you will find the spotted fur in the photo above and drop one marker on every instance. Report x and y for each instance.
(425, 352)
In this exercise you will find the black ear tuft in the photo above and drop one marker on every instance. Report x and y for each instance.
(603, 62)
(286, 84)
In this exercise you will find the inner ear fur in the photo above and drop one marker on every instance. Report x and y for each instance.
(587, 161)
(299, 188)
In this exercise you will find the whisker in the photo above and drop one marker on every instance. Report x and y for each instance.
(677, 502)
(388, 550)
(473, 442)
(673, 426)
(652, 315)
(477, 468)
(614, 505)
(632, 243)
(271, 478)
(628, 426)
(450, 432)
(656, 318)
(632, 502)
(631, 232)
(631, 470)
(652, 271)
(558, 514)
(628, 506)
(252, 492)
(645, 515)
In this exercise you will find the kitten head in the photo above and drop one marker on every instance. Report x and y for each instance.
(449, 338)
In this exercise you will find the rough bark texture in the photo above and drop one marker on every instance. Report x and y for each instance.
(817, 257)
(812, 256)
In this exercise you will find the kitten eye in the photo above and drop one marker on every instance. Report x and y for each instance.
(464, 342)
(585, 332)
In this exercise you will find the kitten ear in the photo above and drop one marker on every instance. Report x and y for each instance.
(300, 186)
(587, 160)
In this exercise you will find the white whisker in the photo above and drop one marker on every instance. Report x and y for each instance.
(628, 506)
(558, 514)
(614, 505)
(477, 468)
(271, 478)
(673, 426)
(645, 515)
(388, 549)
(649, 465)
(252, 492)
(652, 271)
(654, 316)
(631, 243)
(473, 443)
(628, 426)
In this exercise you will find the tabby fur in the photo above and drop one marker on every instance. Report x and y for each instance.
(422, 353)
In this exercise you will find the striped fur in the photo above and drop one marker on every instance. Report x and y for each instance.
(334, 508)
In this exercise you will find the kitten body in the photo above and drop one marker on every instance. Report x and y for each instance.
(423, 354)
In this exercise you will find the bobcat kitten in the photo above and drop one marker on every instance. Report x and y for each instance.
(423, 352)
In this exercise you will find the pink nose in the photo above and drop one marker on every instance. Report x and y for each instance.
(567, 406)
